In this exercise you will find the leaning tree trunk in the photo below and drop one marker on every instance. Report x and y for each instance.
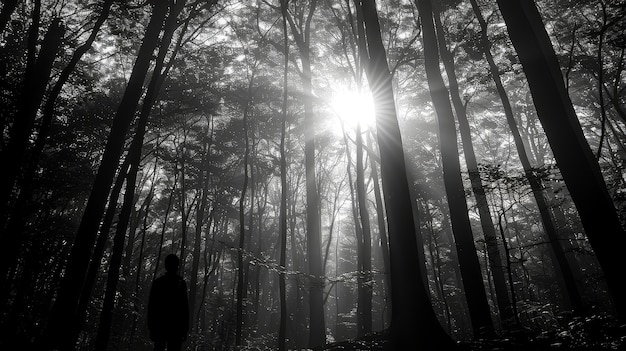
(410, 298)
(35, 83)
(64, 307)
(98, 253)
(36, 76)
(565, 276)
(572, 153)
(17, 221)
(486, 221)
(475, 293)
(134, 156)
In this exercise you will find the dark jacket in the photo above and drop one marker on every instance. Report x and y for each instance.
(168, 307)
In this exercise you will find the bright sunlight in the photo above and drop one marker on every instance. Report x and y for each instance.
(353, 107)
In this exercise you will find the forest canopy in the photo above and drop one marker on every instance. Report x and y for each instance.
(332, 174)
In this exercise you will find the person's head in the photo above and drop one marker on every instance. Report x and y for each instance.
(171, 263)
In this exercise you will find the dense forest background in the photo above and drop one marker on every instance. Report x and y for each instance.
(333, 173)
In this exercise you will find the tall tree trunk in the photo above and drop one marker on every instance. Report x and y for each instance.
(573, 155)
(475, 293)
(106, 316)
(241, 285)
(200, 220)
(36, 76)
(380, 214)
(17, 220)
(317, 330)
(408, 292)
(98, 253)
(495, 261)
(437, 265)
(134, 155)
(182, 202)
(282, 225)
(358, 231)
(64, 307)
(35, 82)
(564, 273)
(364, 317)
(365, 272)
(140, 262)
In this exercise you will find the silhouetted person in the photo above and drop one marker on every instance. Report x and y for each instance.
(168, 308)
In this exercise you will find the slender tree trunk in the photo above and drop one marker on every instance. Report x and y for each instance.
(358, 231)
(573, 155)
(64, 307)
(461, 227)
(106, 316)
(17, 221)
(182, 203)
(564, 272)
(282, 328)
(35, 82)
(599, 59)
(408, 292)
(242, 227)
(36, 77)
(365, 274)
(486, 221)
(200, 220)
(382, 230)
(134, 155)
(380, 215)
(509, 266)
(317, 330)
(136, 304)
(437, 266)
(98, 253)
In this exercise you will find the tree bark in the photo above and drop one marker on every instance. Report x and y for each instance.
(317, 330)
(495, 261)
(66, 303)
(282, 225)
(365, 272)
(380, 215)
(563, 270)
(17, 221)
(36, 79)
(134, 156)
(475, 293)
(408, 293)
(242, 227)
(573, 155)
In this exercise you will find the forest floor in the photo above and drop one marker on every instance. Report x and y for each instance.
(593, 333)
